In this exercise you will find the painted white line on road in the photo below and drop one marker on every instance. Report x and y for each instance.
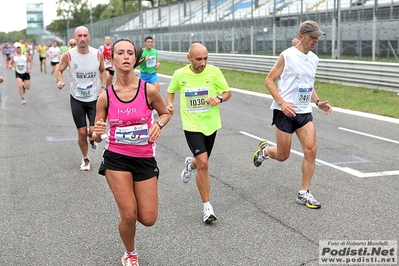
(369, 135)
(347, 170)
(335, 109)
(50, 138)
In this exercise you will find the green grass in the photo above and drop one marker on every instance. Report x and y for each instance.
(354, 98)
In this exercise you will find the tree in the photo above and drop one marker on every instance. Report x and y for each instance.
(115, 8)
(97, 11)
(14, 36)
(75, 12)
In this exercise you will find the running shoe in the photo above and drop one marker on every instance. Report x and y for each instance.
(258, 156)
(187, 173)
(130, 259)
(209, 215)
(93, 145)
(308, 200)
(85, 164)
(23, 101)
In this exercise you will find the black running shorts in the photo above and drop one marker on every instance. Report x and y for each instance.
(24, 76)
(111, 72)
(141, 168)
(81, 110)
(199, 143)
(290, 124)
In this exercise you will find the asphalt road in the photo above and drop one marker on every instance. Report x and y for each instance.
(54, 214)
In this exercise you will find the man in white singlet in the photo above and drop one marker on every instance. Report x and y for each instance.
(295, 71)
(22, 63)
(54, 53)
(86, 68)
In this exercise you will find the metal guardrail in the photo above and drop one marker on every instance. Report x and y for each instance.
(375, 75)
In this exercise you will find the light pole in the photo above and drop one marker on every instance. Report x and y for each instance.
(274, 28)
(374, 31)
(91, 19)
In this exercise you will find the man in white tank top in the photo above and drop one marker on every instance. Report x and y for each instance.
(54, 53)
(86, 69)
(22, 63)
(295, 71)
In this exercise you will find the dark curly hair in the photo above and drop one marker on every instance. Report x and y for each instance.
(138, 51)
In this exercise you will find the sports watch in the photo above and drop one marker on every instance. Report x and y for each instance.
(160, 124)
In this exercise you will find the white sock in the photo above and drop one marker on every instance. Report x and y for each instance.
(302, 192)
(206, 204)
(263, 153)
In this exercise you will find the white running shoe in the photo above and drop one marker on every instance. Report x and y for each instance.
(23, 101)
(85, 165)
(308, 200)
(130, 260)
(209, 215)
(187, 173)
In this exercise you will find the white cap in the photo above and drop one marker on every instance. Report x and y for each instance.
(17, 44)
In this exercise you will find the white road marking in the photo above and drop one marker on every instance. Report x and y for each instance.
(368, 135)
(347, 170)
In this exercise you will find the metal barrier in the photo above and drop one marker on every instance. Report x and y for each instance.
(374, 75)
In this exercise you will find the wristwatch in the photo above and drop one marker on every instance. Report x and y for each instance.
(160, 124)
(220, 98)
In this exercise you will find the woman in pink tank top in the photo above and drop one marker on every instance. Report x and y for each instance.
(129, 163)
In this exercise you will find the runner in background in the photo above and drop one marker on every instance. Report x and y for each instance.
(148, 69)
(42, 51)
(106, 49)
(71, 44)
(86, 69)
(22, 63)
(55, 55)
(63, 48)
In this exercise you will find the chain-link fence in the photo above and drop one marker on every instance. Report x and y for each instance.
(355, 30)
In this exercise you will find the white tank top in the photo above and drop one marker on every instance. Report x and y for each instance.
(296, 82)
(83, 69)
(21, 63)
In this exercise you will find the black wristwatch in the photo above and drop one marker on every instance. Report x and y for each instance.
(160, 124)
(220, 98)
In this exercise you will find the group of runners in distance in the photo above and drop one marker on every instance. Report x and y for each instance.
(109, 102)
(19, 57)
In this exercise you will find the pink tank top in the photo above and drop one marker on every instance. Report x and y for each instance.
(129, 123)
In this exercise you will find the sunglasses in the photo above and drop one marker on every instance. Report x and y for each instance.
(72, 44)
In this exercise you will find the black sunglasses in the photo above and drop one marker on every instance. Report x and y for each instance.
(72, 44)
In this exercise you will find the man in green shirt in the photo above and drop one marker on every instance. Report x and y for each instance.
(201, 88)
(148, 69)
(63, 48)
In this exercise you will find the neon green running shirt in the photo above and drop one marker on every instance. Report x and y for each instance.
(194, 89)
(149, 65)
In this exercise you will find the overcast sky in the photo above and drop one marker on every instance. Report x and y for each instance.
(13, 12)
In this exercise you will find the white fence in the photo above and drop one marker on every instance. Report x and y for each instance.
(375, 75)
